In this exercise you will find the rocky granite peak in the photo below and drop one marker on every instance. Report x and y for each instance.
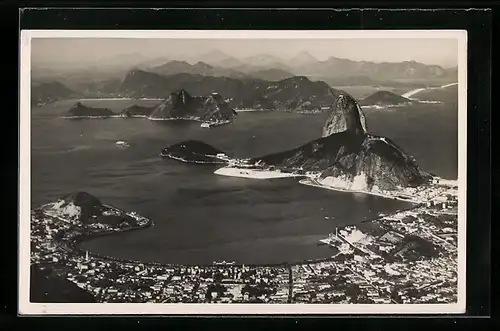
(345, 115)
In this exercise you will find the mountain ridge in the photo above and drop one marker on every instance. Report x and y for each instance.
(292, 94)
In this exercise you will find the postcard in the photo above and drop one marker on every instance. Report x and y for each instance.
(242, 172)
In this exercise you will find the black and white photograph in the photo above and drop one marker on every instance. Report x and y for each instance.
(238, 172)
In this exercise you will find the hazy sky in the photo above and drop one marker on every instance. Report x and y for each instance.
(429, 51)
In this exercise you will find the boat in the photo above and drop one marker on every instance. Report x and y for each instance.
(223, 156)
(120, 143)
(205, 125)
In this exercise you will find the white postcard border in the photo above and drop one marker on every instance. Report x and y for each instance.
(25, 307)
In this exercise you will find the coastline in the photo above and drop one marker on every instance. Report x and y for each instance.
(71, 245)
(309, 183)
(194, 119)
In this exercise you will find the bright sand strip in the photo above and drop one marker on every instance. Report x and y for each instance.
(252, 173)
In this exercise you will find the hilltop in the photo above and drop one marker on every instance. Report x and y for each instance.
(345, 115)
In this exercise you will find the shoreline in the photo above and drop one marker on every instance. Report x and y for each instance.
(194, 119)
(73, 243)
(308, 183)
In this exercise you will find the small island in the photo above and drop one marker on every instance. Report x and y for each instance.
(193, 151)
(385, 99)
(79, 110)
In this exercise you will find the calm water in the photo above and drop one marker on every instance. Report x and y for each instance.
(201, 217)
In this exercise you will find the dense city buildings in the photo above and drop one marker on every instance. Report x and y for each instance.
(409, 256)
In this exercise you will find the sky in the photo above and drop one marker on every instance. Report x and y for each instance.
(443, 52)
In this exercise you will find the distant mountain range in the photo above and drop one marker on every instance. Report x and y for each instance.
(296, 93)
(334, 71)
(342, 70)
(204, 69)
(244, 81)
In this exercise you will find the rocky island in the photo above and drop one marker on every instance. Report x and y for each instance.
(193, 151)
(79, 110)
(181, 105)
(384, 99)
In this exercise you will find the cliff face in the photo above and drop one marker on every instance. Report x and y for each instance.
(181, 104)
(345, 115)
(370, 160)
(81, 110)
